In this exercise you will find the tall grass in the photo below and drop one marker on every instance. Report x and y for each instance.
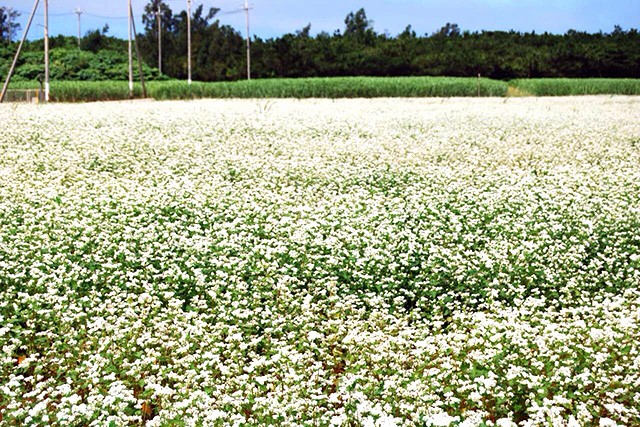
(339, 87)
(567, 87)
(336, 87)
(82, 91)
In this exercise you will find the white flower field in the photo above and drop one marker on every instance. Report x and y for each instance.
(388, 262)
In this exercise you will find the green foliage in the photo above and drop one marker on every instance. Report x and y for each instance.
(85, 91)
(218, 52)
(335, 87)
(338, 87)
(448, 52)
(102, 58)
(8, 25)
(567, 87)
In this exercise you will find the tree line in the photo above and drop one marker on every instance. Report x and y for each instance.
(218, 51)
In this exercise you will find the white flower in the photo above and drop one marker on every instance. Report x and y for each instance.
(441, 419)
(505, 422)
(313, 335)
(332, 262)
(338, 420)
(572, 422)
(387, 421)
(144, 298)
(607, 422)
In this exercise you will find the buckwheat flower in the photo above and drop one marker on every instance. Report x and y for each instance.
(388, 421)
(363, 272)
(572, 422)
(338, 420)
(73, 399)
(607, 422)
(155, 422)
(144, 298)
(505, 422)
(314, 335)
(471, 419)
(368, 422)
(441, 419)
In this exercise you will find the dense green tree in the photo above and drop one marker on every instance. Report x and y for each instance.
(218, 52)
(95, 40)
(8, 23)
(449, 30)
(358, 27)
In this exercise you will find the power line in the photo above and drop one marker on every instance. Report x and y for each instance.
(42, 14)
(231, 12)
(105, 17)
(93, 15)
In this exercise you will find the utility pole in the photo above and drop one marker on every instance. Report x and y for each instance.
(189, 40)
(159, 39)
(46, 50)
(135, 38)
(78, 12)
(246, 8)
(15, 58)
(130, 53)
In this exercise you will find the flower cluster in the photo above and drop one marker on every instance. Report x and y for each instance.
(393, 262)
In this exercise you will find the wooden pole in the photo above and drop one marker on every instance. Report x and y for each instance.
(246, 9)
(46, 51)
(159, 39)
(79, 13)
(135, 38)
(189, 40)
(17, 55)
(130, 52)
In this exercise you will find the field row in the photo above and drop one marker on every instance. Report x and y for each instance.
(342, 87)
(413, 262)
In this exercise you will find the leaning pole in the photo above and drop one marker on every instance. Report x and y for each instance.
(15, 58)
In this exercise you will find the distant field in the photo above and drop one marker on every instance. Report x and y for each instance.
(568, 87)
(337, 87)
(405, 262)
(340, 87)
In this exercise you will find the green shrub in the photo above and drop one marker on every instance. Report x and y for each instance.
(568, 87)
(339, 87)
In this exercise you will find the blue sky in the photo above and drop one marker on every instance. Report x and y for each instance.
(271, 18)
